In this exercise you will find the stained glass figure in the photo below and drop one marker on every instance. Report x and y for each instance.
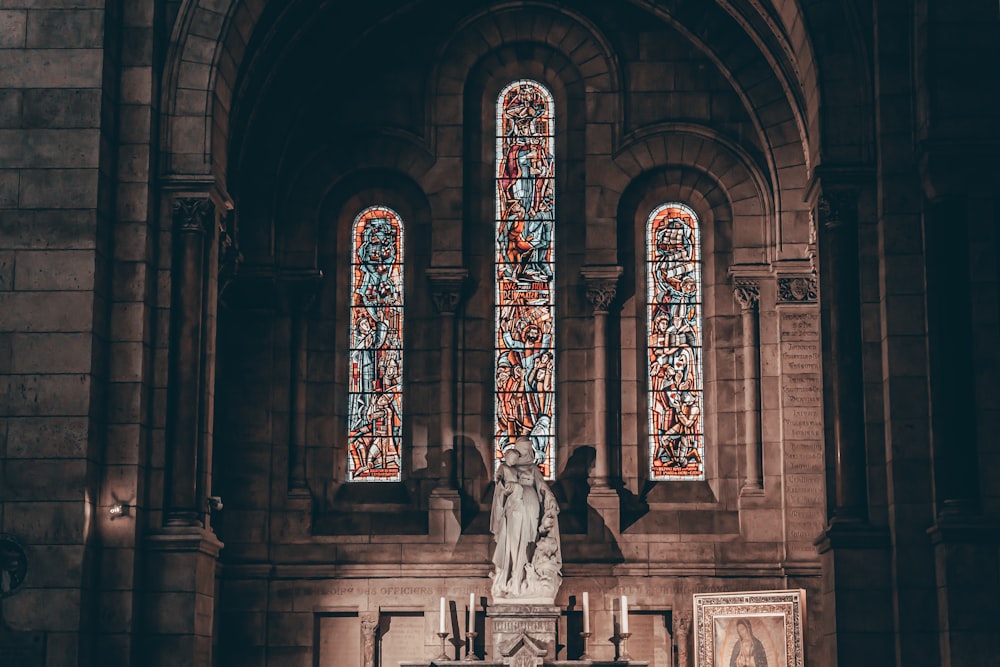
(525, 272)
(674, 329)
(375, 408)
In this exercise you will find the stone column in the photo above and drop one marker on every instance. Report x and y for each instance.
(838, 220)
(855, 555)
(445, 503)
(369, 623)
(683, 630)
(446, 288)
(299, 289)
(193, 222)
(602, 285)
(747, 292)
(181, 557)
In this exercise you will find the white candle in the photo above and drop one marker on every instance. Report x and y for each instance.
(624, 613)
(442, 615)
(472, 613)
(586, 612)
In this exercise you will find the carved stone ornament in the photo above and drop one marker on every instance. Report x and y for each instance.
(447, 285)
(193, 214)
(747, 293)
(369, 623)
(230, 256)
(797, 289)
(13, 565)
(683, 632)
(837, 207)
(601, 294)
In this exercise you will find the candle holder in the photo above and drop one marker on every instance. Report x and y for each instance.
(623, 655)
(444, 655)
(470, 651)
(586, 641)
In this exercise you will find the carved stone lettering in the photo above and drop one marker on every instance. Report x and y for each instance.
(803, 429)
(803, 457)
(800, 357)
(799, 326)
(800, 392)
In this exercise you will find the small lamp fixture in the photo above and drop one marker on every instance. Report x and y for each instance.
(119, 509)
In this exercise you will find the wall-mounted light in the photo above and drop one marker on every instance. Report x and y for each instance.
(119, 509)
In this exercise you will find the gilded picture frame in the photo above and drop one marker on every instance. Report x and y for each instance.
(749, 629)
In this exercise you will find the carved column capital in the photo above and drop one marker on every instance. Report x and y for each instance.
(601, 283)
(747, 293)
(797, 288)
(193, 215)
(835, 208)
(447, 285)
(297, 289)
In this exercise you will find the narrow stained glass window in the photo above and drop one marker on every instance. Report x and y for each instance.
(375, 409)
(674, 329)
(525, 271)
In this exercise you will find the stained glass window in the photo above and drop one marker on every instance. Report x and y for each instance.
(525, 271)
(375, 408)
(674, 330)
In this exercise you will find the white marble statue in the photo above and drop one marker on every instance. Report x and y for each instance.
(525, 525)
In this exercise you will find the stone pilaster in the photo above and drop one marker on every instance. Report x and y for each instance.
(298, 290)
(838, 220)
(447, 285)
(747, 293)
(601, 284)
(193, 224)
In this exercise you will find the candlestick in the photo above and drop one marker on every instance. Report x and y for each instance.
(624, 614)
(623, 655)
(441, 619)
(443, 636)
(586, 613)
(470, 650)
(586, 637)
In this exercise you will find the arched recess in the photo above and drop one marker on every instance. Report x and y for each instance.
(729, 195)
(487, 77)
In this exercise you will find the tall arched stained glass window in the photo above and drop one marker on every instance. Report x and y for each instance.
(674, 330)
(525, 272)
(375, 408)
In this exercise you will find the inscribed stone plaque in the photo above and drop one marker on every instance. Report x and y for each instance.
(400, 638)
(803, 456)
(800, 391)
(800, 357)
(650, 638)
(803, 490)
(339, 640)
(799, 326)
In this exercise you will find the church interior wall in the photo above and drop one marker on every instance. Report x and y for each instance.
(177, 184)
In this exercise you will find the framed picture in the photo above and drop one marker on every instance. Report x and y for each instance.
(752, 629)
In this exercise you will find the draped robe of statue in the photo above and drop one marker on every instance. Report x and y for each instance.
(524, 522)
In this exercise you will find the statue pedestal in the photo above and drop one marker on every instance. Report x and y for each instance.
(525, 632)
